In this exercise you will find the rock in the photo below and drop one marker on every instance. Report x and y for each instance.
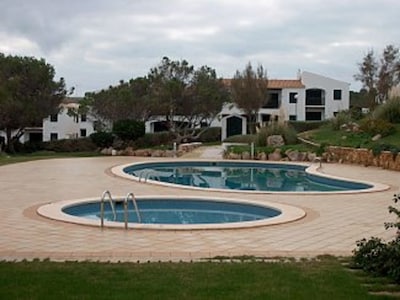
(302, 156)
(376, 137)
(276, 155)
(128, 151)
(262, 156)
(169, 153)
(311, 156)
(157, 153)
(275, 141)
(106, 151)
(232, 155)
(245, 155)
(293, 155)
(142, 152)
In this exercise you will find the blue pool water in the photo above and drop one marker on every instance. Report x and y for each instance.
(182, 211)
(240, 176)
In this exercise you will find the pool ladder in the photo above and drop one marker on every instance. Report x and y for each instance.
(130, 196)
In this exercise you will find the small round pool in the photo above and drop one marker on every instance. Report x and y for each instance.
(174, 213)
(240, 176)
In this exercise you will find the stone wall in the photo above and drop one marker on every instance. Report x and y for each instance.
(365, 157)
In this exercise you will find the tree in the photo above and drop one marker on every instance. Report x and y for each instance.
(249, 91)
(389, 72)
(128, 100)
(185, 97)
(28, 93)
(378, 77)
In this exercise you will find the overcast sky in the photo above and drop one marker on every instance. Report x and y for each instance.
(96, 43)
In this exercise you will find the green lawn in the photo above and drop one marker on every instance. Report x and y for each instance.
(326, 135)
(326, 279)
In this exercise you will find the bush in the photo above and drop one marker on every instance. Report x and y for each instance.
(28, 147)
(210, 135)
(70, 145)
(390, 111)
(150, 140)
(378, 148)
(301, 126)
(342, 117)
(286, 131)
(380, 258)
(374, 126)
(102, 139)
(129, 130)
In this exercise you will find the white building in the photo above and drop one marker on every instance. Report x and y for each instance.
(310, 97)
(67, 123)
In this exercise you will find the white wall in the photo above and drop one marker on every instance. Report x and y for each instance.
(311, 80)
(66, 127)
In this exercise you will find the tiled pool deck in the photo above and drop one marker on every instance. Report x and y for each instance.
(332, 225)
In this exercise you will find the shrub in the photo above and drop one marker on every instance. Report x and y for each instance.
(150, 140)
(210, 135)
(380, 258)
(129, 129)
(389, 111)
(102, 139)
(374, 126)
(301, 126)
(378, 148)
(28, 147)
(342, 117)
(288, 133)
(70, 145)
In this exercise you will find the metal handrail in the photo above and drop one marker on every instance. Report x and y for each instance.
(110, 199)
(132, 196)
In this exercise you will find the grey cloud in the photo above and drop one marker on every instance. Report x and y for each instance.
(96, 43)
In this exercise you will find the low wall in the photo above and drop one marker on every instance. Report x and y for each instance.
(361, 156)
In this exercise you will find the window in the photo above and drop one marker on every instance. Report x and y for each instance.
(337, 94)
(292, 118)
(53, 136)
(273, 101)
(292, 97)
(83, 132)
(53, 117)
(83, 118)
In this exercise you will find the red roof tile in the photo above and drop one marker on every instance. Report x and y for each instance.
(278, 83)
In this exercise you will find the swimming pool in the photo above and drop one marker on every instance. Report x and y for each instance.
(186, 213)
(240, 176)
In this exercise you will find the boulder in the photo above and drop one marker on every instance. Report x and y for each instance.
(262, 156)
(246, 155)
(275, 141)
(376, 137)
(276, 155)
(293, 155)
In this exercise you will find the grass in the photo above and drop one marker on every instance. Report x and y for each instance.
(325, 279)
(6, 159)
(326, 135)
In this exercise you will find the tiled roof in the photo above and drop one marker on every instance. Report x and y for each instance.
(285, 84)
(278, 83)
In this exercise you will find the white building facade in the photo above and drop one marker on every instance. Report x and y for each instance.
(67, 123)
(310, 97)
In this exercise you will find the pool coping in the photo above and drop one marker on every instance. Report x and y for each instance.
(289, 213)
(312, 169)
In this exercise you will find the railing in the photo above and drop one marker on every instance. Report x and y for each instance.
(111, 201)
(134, 203)
(126, 210)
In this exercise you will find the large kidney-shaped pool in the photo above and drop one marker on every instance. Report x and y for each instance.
(240, 176)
